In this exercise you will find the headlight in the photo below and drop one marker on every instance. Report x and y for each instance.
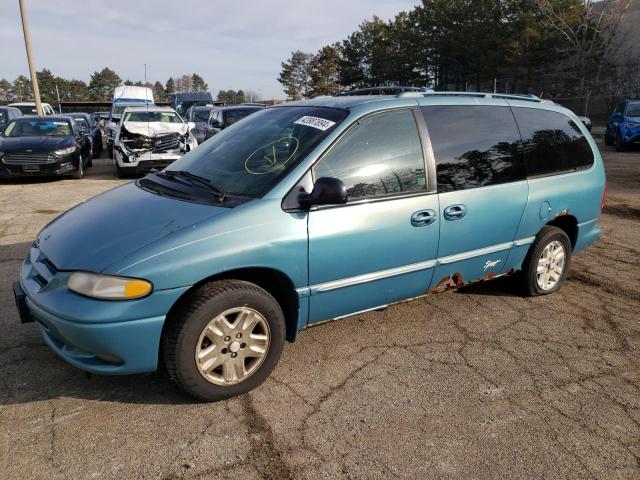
(106, 287)
(66, 151)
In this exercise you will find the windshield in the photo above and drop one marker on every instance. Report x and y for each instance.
(3, 118)
(144, 116)
(82, 123)
(633, 110)
(38, 127)
(250, 157)
(118, 109)
(232, 116)
(201, 115)
(26, 109)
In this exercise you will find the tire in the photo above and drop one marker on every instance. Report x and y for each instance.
(227, 373)
(79, 173)
(121, 172)
(619, 146)
(607, 140)
(530, 283)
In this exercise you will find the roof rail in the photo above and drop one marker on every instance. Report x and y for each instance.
(506, 96)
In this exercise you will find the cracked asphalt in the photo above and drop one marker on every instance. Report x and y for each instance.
(479, 383)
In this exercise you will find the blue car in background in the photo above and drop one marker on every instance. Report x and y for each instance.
(623, 127)
(306, 212)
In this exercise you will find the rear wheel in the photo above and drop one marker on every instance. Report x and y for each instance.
(224, 340)
(547, 263)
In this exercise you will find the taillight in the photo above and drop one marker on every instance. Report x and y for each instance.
(604, 196)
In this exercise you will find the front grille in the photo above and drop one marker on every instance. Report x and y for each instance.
(29, 158)
(167, 142)
(42, 270)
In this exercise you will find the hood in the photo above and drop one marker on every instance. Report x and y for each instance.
(102, 230)
(36, 144)
(155, 129)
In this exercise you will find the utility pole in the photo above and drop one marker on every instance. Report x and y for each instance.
(32, 70)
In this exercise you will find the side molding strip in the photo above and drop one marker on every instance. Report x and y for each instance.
(369, 277)
(414, 267)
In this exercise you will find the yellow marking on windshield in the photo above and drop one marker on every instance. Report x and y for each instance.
(265, 159)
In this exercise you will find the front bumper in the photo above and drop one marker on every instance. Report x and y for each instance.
(98, 336)
(66, 165)
(630, 135)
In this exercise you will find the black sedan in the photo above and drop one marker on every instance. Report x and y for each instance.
(7, 114)
(43, 146)
(221, 118)
(89, 127)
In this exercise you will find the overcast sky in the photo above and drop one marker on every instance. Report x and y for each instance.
(232, 44)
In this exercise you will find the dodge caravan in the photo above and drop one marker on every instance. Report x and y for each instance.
(306, 212)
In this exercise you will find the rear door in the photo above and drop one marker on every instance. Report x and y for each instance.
(482, 189)
(381, 246)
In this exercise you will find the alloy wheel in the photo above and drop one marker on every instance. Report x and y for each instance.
(232, 346)
(550, 265)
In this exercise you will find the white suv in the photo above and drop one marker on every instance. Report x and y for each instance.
(150, 138)
(29, 108)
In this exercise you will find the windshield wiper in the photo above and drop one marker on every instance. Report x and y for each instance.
(203, 181)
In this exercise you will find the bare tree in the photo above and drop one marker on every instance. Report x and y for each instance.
(592, 38)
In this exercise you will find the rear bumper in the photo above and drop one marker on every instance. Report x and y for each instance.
(588, 232)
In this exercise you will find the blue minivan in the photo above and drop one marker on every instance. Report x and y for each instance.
(306, 212)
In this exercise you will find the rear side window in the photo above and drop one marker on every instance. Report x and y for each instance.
(379, 156)
(474, 146)
(551, 142)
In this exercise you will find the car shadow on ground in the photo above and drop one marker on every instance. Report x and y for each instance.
(30, 371)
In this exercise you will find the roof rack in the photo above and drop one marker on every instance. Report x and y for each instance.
(506, 96)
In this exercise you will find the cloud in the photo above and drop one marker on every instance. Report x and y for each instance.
(237, 44)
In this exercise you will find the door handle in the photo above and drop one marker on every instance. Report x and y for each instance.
(422, 218)
(455, 212)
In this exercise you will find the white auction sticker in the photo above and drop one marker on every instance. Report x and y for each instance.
(315, 122)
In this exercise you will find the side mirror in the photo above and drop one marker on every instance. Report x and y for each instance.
(215, 123)
(326, 191)
(191, 125)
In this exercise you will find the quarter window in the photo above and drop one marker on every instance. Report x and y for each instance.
(380, 155)
(551, 142)
(474, 146)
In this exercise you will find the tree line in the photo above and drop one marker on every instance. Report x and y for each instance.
(99, 88)
(551, 48)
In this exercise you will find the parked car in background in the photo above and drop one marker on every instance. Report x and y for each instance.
(623, 127)
(150, 138)
(29, 108)
(125, 96)
(199, 115)
(306, 212)
(7, 114)
(91, 128)
(586, 121)
(44, 146)
(100, 118)
(181, 101)
(223, 117)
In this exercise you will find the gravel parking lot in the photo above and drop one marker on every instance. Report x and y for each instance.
(478, 383)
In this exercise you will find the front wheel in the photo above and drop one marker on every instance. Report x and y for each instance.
(80, 171)
(224, 340)
(619, 145)
(547, 263)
